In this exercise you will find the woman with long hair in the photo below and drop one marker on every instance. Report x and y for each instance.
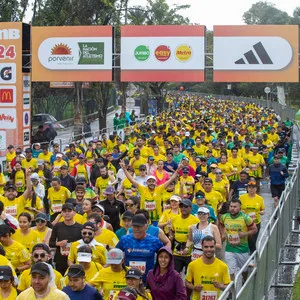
(160, 173)
(42, 227)
(163, 281)
(87, 208)
(25, 235)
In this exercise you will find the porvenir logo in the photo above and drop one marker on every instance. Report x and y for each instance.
(183, 53)
(61, 53)
(142, 53)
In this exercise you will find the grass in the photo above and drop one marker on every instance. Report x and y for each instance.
(296, 288)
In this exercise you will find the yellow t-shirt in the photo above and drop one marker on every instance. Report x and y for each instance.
(25, 280)
(12, 296)
(57, 198)
(45, 158)
(254, 163)
(253, 205)
(53, 294)
(29, 164)
(226, 168)
(101, 184)
(98, 253)
(200, 273)
(28, 240)
(136, 163)
(107, 237)
(2, 181)
(38, 205)
(81, 172)
(57, 165)
(20, 181)
(10, 156)
(17, 254)
(213, 199)
(43, 234)
(77, 218)
(180, 227)
(221, 187)
(166, 216)
(72, 164)
(14, 207)
(151, 201)
(5, 262)
(110, 282)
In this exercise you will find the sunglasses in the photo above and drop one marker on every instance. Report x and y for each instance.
(142, 169)
(218, 172)
(212, 168)
(183, 206)
(84, 233)
(98, 144)
(129, 205)
(41, 255)
(40, 221)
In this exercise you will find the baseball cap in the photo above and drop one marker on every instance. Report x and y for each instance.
(280, 150)
(175, 198)
(185, 158)
(81, 156)
(41, 216)
(34, 176)
(18, 151)
(5, 273)
(208, 180)
(59, 155)
(150, 158)
(80, 180)
(114, 256)
(186, 202)
(213, 166)
(40, 268)
(10, 186)
(64, 167)
(68, 206)
(88, 225)
(187, 134)
(76, 270)
(128, 215)
(142, 167)
(203, 209)
(84, 257)
(10, 147)
(134, 273)
(136, 151)
(127, 293)
(139, 220)
(28, 150)
(4, 229)
(151, 177)
(109, 190)
(99, 206)
(251, 183)
(40, 162)
(185, 170)
(43, 246)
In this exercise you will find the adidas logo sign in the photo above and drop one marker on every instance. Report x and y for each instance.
(252, 56)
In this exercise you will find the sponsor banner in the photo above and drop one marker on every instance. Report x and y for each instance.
(76, 53)
(162, 53)
(26, 118)
(259, 53)
(26, 136)
(26, 83)
(26, 101)
(7, 73)
(3, 144)
(68, 85)
(8, 95)
(8, 118)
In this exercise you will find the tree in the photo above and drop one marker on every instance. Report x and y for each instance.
(266, 13)
(13, 10)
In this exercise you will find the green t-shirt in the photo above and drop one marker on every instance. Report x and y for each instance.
(234, 225)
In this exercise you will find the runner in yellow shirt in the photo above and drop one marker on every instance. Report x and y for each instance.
(7, 287)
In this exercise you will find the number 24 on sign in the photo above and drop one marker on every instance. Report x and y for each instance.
(9, 52)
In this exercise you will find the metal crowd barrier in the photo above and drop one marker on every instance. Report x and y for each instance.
(269, 246)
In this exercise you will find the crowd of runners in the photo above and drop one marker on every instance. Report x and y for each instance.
(169, 209)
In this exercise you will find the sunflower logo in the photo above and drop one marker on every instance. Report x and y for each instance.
(61, 49)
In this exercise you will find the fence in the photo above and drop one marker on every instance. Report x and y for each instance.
(270, 243)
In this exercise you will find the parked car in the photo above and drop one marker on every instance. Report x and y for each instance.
(45, 120)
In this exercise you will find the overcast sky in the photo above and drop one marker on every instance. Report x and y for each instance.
(220, 12)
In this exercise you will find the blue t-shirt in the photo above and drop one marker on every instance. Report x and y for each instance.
(152, 230)
(88, 292)
(140, 253)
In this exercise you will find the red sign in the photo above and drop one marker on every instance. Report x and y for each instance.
(6, 95)
(162, 53)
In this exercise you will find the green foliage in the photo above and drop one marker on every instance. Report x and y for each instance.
(12, 10)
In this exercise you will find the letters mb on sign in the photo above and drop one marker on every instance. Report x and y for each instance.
(9, 34)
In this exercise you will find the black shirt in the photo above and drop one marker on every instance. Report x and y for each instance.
(114, 209)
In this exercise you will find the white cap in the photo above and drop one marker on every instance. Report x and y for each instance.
(34, 176)
(187, 134)
(84, 257)
(59, 155)
(114, 256)
(175, 198)
(203, 209)
(151, 177)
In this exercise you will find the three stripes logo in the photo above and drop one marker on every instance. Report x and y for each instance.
(252, 56)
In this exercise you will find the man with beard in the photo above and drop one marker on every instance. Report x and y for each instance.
(207, 275)
(29, 162)
(40, 253)
(62, 235)
(77, 288)
(88, 234)
(103, 181)
(236, 226)
(41, 285)
(238, 188)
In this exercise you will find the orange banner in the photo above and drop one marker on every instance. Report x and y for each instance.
(72, 53)
(258, 53)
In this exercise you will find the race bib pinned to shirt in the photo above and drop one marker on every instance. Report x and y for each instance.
(141, 265)
(65, 250)
(196, 254)
(150, 205)
(11, 210)
(233, 238)
(208, 295)
(56, 206)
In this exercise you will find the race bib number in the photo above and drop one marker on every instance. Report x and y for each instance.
(11, 210)
(19, 184)
(150, 205)
(141, 265)
(128, 192)
(208, 295)
(56, 206)
(233, 238)
(252, 215)
(196, 254)
(242, 193)
(80, 175)
(112, 294)
(65, 250)
(166, 206)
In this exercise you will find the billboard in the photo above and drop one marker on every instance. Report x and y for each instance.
(163, 53)
(11, 84)
(72, 53)
(256, 53)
